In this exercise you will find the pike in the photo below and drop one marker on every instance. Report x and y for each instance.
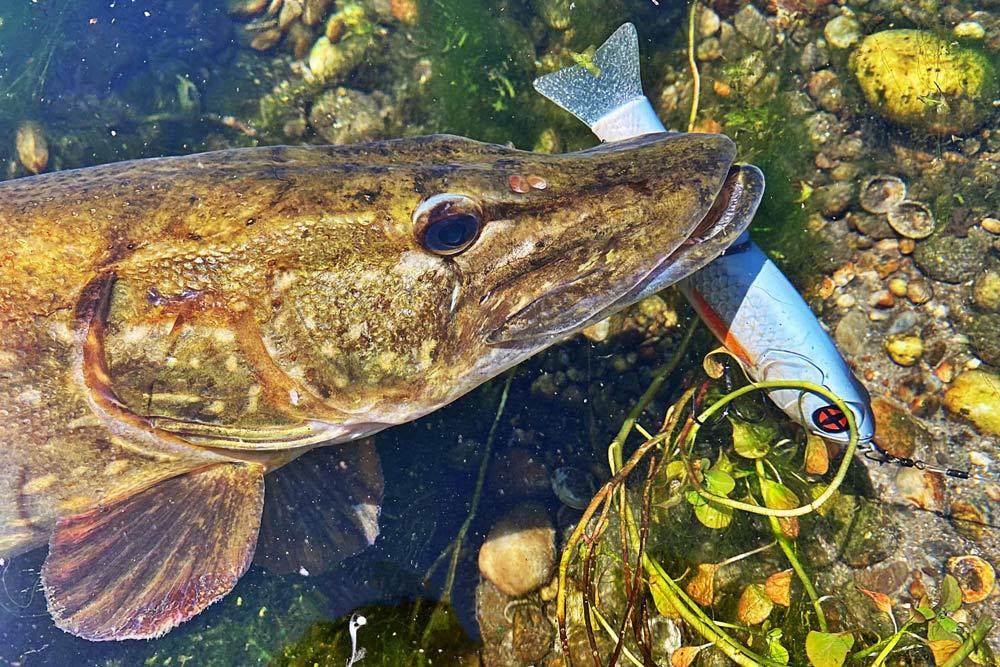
(172, 330)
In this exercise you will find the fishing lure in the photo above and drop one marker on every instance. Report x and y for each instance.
(742, 296)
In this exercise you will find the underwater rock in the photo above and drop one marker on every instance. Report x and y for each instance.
(708, 22)
(986, 291)
(984, 336)
(922, 488)
(842, 31)
(315, 10)
(824, 87)
(919, 292)
(851, 333)
(975, 395)
(952, 259)
(915, 78)
(898, 432)
(752, 25)
(520, 550)
(880, 193)
(905, 349)
(343, 46)
(911, 219)
(832, 200)
(32, 148)
(969, 30)
(344, 116)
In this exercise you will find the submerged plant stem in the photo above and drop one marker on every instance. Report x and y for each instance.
(455, 547)
(838, 478)
(979, 632)
(693, 64)
(789, 551)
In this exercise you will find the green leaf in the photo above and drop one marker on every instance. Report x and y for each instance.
(778, 496)
(948, 624)
(752, 441)
(828, 649)
(951, 594)
(718, 482)
(775, 650)
(943, 629)
(660, 599)
(712, 515)
(926, 612)
(723, 463)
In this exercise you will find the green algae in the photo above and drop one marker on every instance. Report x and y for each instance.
(480, 73)
(411, 634)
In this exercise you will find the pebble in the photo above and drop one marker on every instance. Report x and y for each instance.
(984, 337)
(992, 225)
(824, 87)
(897, 287)
(919, 292)
(752, 25)
(709, 49)
(31, 146)
(846, 301)
(907, 246)
(851, 333)
(911, 219)
(520, 550)
(905, 349)
(899, 433)
(844, 275)
(906, 321)
(708, 22)
(969, 30)
(813, 57)
(842, 31)
(834, 199)
(986, 291)
(922, 488)
(975, 395)
(881, 299)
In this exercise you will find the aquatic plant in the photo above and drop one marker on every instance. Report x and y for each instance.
(758, 476)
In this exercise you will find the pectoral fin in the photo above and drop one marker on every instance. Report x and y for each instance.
(321, 508)
(136, 566)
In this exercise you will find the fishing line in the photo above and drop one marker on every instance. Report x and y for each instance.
(873, 452)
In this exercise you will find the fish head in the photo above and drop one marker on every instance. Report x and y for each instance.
(526, 249)
(358, 287)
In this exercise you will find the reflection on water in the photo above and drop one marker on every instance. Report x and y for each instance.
(876, 126)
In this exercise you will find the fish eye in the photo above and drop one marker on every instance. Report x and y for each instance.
(447, 224)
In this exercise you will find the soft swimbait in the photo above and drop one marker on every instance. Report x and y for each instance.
(742, 296)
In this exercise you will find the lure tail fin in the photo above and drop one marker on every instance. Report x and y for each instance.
(606, 95)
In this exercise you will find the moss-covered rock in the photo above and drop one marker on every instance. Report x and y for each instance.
(974, 395)
(917, 79)
(952, 259)
(984, 335)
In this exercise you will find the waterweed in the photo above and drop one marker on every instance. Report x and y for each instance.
(759, 476)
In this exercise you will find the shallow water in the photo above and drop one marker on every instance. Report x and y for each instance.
(87, 83)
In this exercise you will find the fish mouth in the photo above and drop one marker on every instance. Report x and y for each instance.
(558, 314)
